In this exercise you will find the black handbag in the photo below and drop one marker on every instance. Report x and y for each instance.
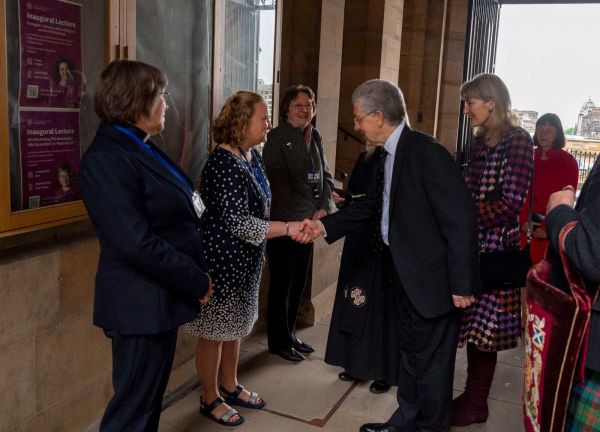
(508, 268)
(504, 269)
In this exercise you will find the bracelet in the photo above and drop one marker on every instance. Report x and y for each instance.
(287, 229)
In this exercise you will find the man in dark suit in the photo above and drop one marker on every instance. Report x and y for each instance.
(428, 228)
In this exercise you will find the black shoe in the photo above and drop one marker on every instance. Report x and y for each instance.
(289, 354)
(378, 427)
(345, 376)
(303, 347)
(379, 386)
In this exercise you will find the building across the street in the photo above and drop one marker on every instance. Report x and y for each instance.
(588, 121)
(527, 119)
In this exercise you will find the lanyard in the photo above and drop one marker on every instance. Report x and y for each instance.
(258, 175)
(149, 150)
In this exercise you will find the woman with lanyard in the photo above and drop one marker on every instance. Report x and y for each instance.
(151, 276)
(302, 188)
(236, 226)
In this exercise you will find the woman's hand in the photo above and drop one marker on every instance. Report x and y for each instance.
(337, 199)
(319, 214)
(539, 233)
(209, 292)
(297, 233)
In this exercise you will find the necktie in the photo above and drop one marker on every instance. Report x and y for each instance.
(379, 198)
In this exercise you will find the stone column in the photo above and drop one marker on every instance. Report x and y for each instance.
(311, 54)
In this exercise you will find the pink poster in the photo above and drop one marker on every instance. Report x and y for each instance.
(50, 155)
(51, 54)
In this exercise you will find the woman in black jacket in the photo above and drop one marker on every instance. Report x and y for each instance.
(151, 275)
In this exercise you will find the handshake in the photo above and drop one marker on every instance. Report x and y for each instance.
(305, 231)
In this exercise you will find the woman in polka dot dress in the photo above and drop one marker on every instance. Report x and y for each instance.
(498, 177)
(235, 226)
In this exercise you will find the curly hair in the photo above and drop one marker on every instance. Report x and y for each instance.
(231, 124)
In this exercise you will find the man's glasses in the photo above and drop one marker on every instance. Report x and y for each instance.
(302, 107)
(359, 119)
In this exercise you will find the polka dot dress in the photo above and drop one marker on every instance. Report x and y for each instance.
(234, 228)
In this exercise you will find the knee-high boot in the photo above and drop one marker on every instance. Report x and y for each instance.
(471, 406)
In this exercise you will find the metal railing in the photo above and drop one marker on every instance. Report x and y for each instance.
(585, 161)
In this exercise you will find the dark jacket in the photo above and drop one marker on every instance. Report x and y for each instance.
(432, 231)
(151, 272)
(582, 247)
(288, 162)
(362, 335)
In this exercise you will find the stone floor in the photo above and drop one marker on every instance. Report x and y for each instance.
(307, 396)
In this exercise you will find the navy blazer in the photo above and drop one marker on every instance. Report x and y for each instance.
(433, 224)
(151, 273)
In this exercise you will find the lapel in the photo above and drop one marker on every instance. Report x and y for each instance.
(398, 159)
(298, 150)
(150, 161)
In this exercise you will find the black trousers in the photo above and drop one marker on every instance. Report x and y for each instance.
(141, 369)
(427, 351)
(288, 265)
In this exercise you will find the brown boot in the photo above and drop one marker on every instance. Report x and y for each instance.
(471, 406)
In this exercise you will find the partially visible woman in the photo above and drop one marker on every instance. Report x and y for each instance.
(302, 186)
(553, 169)
(498, 176)
(236, 226)
(364, 314)
(151, 275)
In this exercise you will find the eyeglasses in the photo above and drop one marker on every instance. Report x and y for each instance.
(302, 107)
(359, 119)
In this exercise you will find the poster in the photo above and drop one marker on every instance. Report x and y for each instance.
(51, 59)
(51, 87)
(50, 155)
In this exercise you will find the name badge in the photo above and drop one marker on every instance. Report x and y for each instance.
(314, 177)
(199, 206)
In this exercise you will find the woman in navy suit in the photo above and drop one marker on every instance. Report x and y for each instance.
(151, 275)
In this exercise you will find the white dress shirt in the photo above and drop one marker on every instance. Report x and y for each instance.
(390, 147)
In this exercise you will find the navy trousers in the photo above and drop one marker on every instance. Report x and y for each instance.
(141, 368)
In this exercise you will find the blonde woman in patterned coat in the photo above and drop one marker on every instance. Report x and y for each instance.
(498, 177)
(235, 225)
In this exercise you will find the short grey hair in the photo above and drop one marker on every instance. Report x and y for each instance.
(381, 95)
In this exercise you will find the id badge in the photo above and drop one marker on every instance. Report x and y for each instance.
(314, 177)
(199, 206)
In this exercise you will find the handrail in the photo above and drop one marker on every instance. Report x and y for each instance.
(351, 135)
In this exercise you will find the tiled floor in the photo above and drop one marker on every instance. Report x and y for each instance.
(307, 396)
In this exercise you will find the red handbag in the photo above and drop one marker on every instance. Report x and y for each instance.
(555, 342)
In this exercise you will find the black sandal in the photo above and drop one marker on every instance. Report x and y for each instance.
(232, 398)
(206, 410)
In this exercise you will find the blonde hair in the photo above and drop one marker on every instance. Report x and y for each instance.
(489, 87)
(231, 124)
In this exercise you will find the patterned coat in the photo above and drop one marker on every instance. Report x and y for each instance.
(498, 179)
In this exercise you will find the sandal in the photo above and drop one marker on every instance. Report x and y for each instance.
(206, 410)
(232, 398)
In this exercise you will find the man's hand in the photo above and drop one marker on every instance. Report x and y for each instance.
(565, 196)
(209, 292)
(463, 301)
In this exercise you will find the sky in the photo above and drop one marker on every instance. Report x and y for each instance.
(266, 41)
(549, 57)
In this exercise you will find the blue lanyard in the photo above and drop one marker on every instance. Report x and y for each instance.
(258, 174)
(149, 150)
